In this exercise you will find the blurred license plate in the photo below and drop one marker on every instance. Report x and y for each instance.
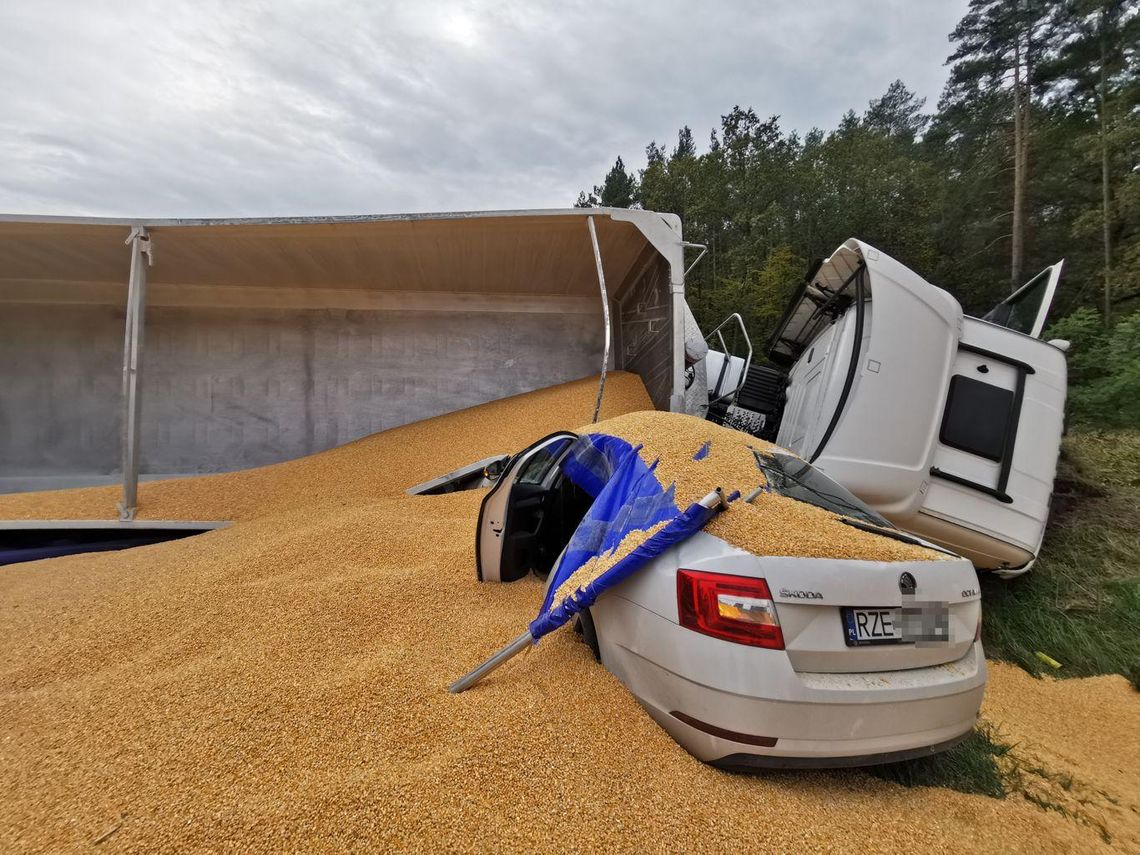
(872, 626)
(921, 623)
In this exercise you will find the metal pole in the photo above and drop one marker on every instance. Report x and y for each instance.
(132, 352)
(677, 319)
(763, 488)
(513, 649)
(703, 249)
(715, 499)
(605, 314)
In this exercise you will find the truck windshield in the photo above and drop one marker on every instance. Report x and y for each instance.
(789, 476)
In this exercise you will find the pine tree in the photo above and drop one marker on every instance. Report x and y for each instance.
(1100, 42)
(999, 44)
(898, 113)
(618, 189)
(685, 146)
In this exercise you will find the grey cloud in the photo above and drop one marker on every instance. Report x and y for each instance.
(210, 108)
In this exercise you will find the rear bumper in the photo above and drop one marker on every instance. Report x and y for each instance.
(787, 718)
(750, 762)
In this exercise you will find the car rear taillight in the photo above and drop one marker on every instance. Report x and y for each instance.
(734, 608)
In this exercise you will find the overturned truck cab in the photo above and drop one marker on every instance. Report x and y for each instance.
(948, 425)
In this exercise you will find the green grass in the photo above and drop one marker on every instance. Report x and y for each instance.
(1080, 604)
(969, 767)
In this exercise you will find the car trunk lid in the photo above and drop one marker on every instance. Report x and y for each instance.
(937, 602)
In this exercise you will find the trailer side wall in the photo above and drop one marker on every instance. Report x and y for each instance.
(229, 388)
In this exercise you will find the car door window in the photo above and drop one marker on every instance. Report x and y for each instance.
(535, 470)
(513, 509)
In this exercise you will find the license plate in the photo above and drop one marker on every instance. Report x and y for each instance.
(871, 626)
(923, 624)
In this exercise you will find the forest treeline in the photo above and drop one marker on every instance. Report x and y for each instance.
(1032, 155)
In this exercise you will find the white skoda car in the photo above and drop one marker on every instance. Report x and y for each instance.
(761, 660)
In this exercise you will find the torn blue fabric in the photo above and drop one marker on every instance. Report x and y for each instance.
(682, 526)
(593, 459)
(627, 497)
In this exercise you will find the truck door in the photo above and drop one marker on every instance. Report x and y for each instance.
(1026, 309)
(512, 514)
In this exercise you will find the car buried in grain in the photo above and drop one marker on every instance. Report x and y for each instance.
(798, 630)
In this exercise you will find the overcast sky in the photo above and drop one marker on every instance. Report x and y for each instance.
(203, 108)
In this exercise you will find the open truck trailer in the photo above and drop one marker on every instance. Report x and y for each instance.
(156, 348)
(948, 425)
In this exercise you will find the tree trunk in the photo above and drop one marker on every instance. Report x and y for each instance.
(1017, 248)
(1026, 110)
(1105, 177)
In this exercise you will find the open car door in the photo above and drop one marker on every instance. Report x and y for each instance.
(1026, 309)
(513, 514)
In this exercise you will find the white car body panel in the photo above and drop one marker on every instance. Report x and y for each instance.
(823, 702)
(494, 510)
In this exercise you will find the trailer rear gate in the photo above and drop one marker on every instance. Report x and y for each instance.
(264, 340)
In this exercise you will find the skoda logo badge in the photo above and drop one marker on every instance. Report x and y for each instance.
(907, 583)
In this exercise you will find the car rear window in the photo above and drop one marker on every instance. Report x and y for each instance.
(789, 476)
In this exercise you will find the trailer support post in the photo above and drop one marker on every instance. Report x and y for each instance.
(139, 242)
(677, 294)
(605, 315)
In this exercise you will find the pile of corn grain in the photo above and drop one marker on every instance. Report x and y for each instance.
(769, 525)
(280, 684)
(696, 456)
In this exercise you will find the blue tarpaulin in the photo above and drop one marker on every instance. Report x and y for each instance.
(627, 497)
